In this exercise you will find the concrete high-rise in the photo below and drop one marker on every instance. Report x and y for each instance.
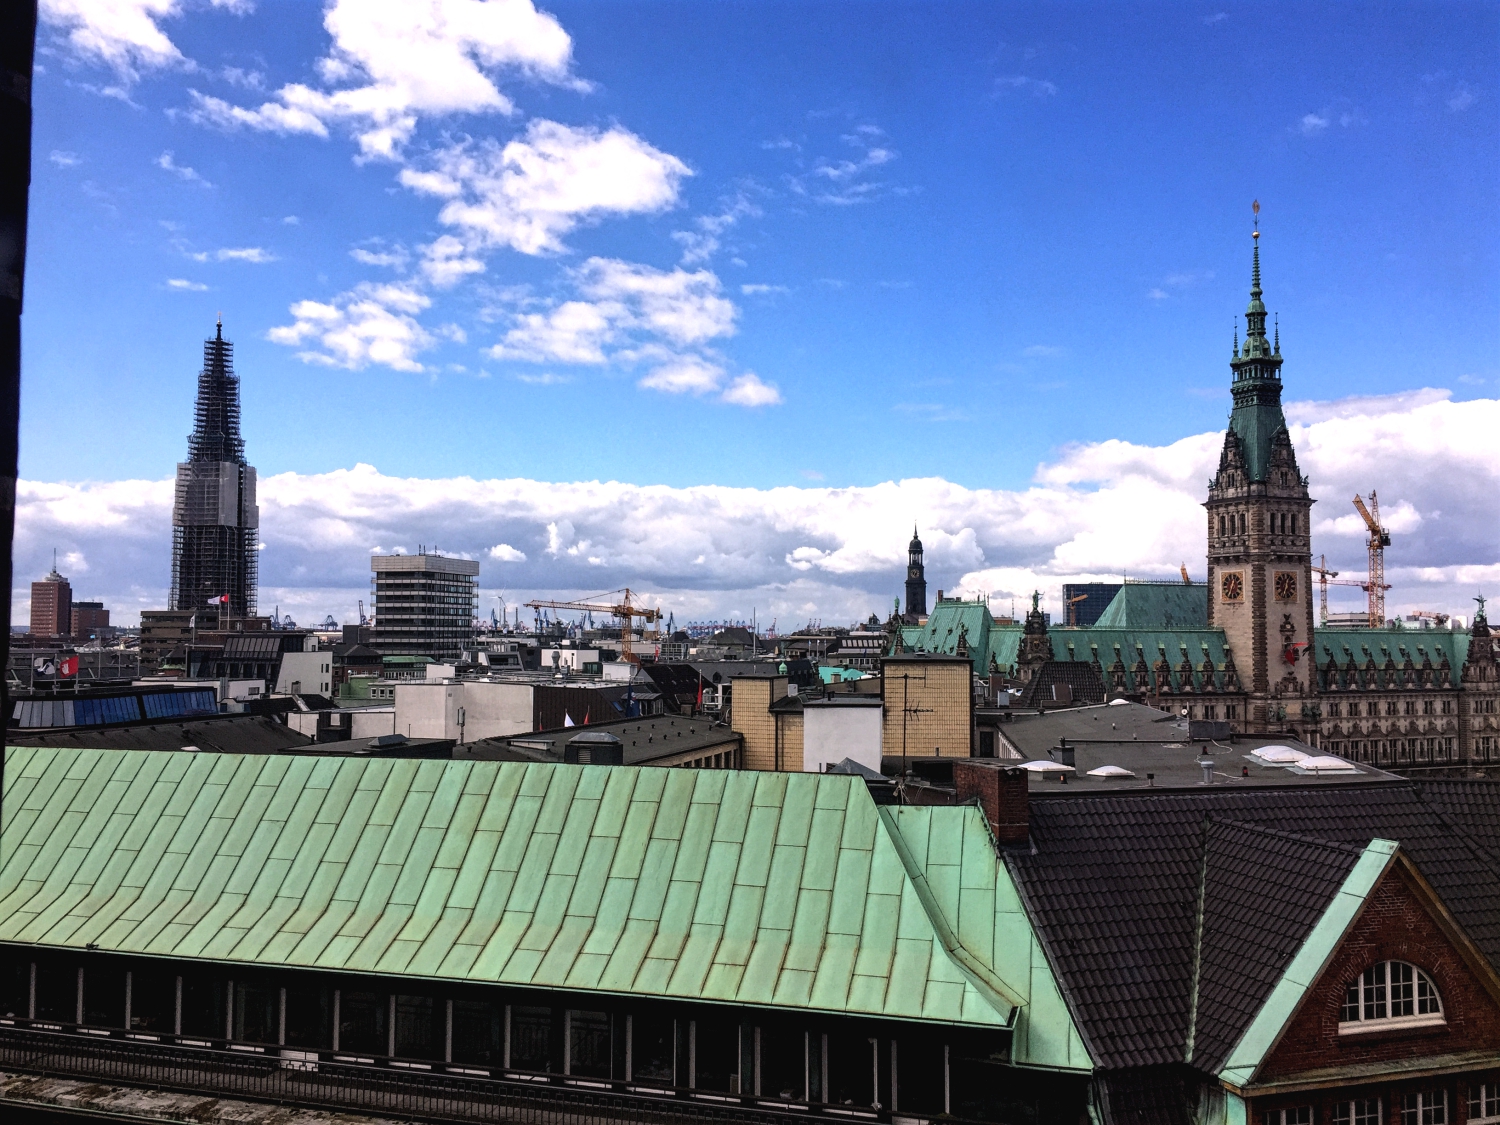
(424, 605)
(52, 606)
(215, 520)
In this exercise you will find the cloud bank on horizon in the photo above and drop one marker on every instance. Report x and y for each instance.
(834, 554)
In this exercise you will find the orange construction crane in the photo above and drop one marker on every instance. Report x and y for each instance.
(1186, 581)
(1327, 578)
(1073, 612)
(621, 609)
(1380, 539)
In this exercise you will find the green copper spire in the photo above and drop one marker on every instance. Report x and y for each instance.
(1257, 416)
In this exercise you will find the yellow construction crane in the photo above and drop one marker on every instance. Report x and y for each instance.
(1072, 612)
(1327, 578)
(1379, 540)
(621, 609)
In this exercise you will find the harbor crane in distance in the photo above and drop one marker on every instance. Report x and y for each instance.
(1379, 540)
(1072, 608)
(623, 610)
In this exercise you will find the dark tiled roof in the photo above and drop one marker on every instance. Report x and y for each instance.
(1155, 1095)
(1263, 891)
(225, 734)
(1082, 680)
(1112, 883)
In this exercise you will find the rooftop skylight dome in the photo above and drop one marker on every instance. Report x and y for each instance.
(1323, 763)
(1111, 771)
(1278, 755)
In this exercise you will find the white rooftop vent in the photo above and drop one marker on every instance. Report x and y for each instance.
(1110, 771)
(1119, 703)
(1279, 755)
(1045, 766)
(1325, 763)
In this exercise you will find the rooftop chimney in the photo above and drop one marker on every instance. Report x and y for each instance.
(1001, 792)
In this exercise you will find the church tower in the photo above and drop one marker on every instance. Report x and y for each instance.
(916, 579)
(1259, 549)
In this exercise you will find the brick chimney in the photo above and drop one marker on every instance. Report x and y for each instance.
(1001, 791)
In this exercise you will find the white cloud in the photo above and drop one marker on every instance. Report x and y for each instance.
(1043, 351)
(749, 390)
(843, 181)
(687, 375)
(758, 289)
(1461, 100)
(65, 159)
(369, 324)
(1036, 87)
(504, 552)
(1093, 511)
(700, 244)
(167, 164)
(392, 64)
(255, 255)
(445, 262)
(393, 257)
(1312, 124)
(124, 35)
(529, 193)
(184, 284)
(624, 302)
(291, 220)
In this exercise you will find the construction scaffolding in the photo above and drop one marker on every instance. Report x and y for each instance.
(215, 518)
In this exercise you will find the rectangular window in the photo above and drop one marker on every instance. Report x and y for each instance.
(1403, 990)
(1374, 982)
(588, 1044)
(1429, 1107)
(57, 991)
(309, 1017)
(203, 1000)
(478, 1034)
(104, 996)
(851, 1069)
(921, 1067)
(1296, 1115)
(362, 1022)
(530, 1038)
(653, 1048)
(257, 1012)
(15, 988)
(421, 1027)
(153, 1001)
(782, 1062)
(1484, 1103)
(716, 1053)
(1360, 1111)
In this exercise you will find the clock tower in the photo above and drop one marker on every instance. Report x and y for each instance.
(1259, 548)
(916, 579)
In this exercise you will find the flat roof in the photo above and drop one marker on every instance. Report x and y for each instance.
(438, 564)
(641, 740)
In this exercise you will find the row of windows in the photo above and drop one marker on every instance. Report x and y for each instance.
(1384, 751)
(1421, 1107)
(1390, 707)
(1280, 523)
(838, 1063)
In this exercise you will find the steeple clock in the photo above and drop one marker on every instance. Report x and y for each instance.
(916, 579)
(1259, 548)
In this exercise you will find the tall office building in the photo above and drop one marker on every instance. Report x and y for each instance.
(52, 606)
(215, 520)
(424, 605)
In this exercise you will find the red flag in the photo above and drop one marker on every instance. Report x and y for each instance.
(585, 716)
(700, 693)
(68, 666)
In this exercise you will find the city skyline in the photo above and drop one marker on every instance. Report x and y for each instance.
(1025, 334)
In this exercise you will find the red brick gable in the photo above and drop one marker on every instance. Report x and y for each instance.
(1397, 924)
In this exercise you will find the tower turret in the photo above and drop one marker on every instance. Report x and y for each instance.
(1259, 546)
(916, 578)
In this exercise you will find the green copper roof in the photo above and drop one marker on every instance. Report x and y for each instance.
(776, 890)
(1256, 419)
(1305, 968)
(1389, 649)
(948, 619)
(1156, 605)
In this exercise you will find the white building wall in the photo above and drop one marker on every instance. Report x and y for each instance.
(429, 709)
(832, 733)
(313, 670)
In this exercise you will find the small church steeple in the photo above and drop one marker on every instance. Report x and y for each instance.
(916, 578)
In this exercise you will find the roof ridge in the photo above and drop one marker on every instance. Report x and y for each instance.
(1335, 845)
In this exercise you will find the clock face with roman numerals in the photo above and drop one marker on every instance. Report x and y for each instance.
(1286, 586)
(1232, 586)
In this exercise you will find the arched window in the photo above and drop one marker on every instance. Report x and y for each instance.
(1390, 994)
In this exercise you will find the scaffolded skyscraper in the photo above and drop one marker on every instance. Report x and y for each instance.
(215, 520)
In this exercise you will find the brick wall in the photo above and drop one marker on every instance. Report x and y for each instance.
(1002, 792)
(789, 726)
(938, 701)
(1395, 926)
(750, 716)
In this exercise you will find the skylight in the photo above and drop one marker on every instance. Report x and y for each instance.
(1045, 766)
(1110, 771)
(1324, 763)
(1279, 755)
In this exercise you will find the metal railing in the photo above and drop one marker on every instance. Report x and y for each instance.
(316, 1083)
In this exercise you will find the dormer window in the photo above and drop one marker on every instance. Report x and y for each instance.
(1392, 994)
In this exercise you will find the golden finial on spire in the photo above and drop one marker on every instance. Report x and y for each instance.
(1255, 207)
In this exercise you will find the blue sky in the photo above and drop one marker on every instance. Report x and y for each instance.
(752, 245)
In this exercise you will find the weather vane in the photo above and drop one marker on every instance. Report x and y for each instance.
(1255, 206)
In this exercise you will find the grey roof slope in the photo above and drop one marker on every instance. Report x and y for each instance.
(1112, 883)
(1262, 893)
(223, 734)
